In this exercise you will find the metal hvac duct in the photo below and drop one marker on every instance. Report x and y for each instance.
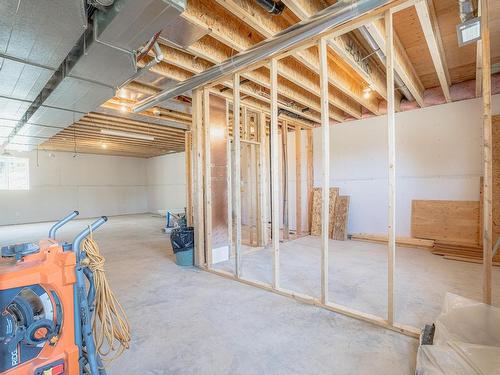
(88, 74)
(32, 47)
(375, 47)
(324, 21)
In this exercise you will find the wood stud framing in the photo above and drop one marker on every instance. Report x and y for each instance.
(237, 172)
(325, 166)
(207, 176)
(275, 220)
(298, 180)
(198, 200)
(391, 144)
(487, 156)
(427, 17)
(391, 47)
(262, 182)
(284, 137)
(189, 178)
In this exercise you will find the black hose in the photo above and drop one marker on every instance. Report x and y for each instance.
(272, 7)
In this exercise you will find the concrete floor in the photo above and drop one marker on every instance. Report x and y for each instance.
(358, 276)
(186, 321)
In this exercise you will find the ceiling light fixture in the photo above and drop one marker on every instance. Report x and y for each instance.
(104, 146)
(124, 108)
(367, 92)
(119, 133)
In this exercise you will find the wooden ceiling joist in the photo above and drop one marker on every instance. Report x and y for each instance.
(427, 17)
(264, 23)
(377, 81)
(305, 9)
(287, 89)
(158, 135)
(402, 63)
(248, 88)
(125, 120)
(229, 30)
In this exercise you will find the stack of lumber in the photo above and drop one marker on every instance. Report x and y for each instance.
(453, 225)
(458, 251)
(400, 241)
(337, 216)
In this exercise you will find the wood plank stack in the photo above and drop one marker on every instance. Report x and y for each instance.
(400, 241)
(338, 214)
(453, 225)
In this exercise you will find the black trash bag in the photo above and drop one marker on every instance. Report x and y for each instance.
(182, 239)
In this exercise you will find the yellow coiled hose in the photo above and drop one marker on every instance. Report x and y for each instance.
(110, 324)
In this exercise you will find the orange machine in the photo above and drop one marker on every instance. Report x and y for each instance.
(43, 319)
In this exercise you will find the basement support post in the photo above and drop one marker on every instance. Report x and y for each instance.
(198, 211)
(391, 144)
(237, 172)
(325, 182)
(275, 206)
(207, 177)
(487, 155)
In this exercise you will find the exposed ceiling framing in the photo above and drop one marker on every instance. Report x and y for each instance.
(426, 56)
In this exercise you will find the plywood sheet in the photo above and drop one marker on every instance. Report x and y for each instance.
(456, 221)
(340, 220)
(316, 213)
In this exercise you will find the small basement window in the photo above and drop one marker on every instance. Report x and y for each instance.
(14, 173)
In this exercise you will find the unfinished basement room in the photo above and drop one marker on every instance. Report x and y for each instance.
(248, 187)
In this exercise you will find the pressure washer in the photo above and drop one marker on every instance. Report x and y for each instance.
(49, 315)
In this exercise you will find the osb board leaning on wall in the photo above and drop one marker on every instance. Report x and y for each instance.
(449, 221)
(316, 213)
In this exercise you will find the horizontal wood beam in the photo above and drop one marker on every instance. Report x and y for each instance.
(402, 63)
(229, 30)
(248, 88)
(305, 9)
(295, 71)
(426, 15)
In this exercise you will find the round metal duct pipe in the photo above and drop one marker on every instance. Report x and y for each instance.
(272, 7)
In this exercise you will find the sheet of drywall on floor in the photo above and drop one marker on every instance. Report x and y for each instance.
(166, 180)
(59, 183)
(438, 157)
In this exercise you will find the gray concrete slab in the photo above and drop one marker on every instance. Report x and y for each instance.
(186, 321)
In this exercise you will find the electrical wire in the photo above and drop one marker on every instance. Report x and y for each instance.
(110, 324)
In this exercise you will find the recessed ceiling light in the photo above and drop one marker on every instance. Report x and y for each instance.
(104, 145)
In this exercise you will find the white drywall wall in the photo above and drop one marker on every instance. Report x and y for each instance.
(438, 156)
(166, 180)
(92, 184)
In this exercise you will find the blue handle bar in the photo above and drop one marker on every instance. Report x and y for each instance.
(60, 223)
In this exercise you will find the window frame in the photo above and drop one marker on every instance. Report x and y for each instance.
(10, 160)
